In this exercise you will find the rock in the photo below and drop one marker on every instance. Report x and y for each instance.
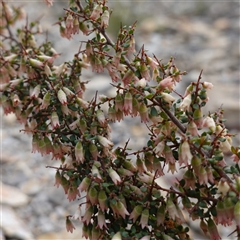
(77, 234)
(13, 196)
(31, 186)
(13, 226)
(1, 235)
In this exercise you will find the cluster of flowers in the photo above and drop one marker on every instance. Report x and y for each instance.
(122, 197)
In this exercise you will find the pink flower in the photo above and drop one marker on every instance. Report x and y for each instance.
(100, 117)
(184, 153)
(167, 82)
(105, 19)
(102, 199)
(79, 153)
(55, 120)
(88, 215)
(96, 12)
(70, 227)
(101, 220)
(127, 107)
(49, 2)
(159, 148)
(212, 229)
(203, 176)
(121, 209)
(35, 92)
(136, 212)
(145, 73)
(192, 129)
(143, 111)
(144, 218)
(92, 195)
(84, 185)
(72, 193)
(128, 77)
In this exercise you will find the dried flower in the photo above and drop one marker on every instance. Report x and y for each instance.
(70, 227)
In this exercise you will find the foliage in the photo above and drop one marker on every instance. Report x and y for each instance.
(123, 199)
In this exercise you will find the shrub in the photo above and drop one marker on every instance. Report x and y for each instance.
(123, 198)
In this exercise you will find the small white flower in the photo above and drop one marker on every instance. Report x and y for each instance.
(105, 142)
(185, 104)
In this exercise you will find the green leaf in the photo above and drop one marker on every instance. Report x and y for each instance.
(195, 106)
(164, 115)
(153, 111)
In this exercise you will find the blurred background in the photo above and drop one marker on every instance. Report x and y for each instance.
(198, 34)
